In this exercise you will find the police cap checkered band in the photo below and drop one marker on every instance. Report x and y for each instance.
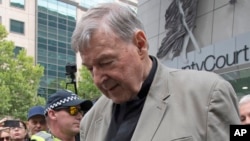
(62, 98)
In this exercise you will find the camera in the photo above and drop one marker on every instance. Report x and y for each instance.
(70, 69)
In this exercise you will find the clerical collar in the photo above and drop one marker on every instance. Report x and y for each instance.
(148, 81)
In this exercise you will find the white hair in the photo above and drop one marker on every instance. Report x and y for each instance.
(112, 17)
(244, 99)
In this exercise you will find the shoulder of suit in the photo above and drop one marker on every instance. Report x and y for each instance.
(102, 104)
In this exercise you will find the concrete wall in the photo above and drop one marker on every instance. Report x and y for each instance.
(26, 15)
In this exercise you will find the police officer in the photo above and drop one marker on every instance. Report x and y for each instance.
(63, 111)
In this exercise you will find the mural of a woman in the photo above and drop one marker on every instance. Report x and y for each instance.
(180, 20)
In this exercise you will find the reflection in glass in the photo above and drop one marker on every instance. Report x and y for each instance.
(17, 3)
(239, 79)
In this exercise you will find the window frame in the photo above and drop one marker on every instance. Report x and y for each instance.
(20, 7)
(15, 31)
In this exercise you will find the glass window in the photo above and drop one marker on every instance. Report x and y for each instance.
(52, 67)
(62, 21)
(70, 28)
(42, 58)
(62, 38)
(51, 91)
(61, 74)
(52, 36)
(17, 49)
(42, 52)
(42, 15)
(69, 34)
(52, 42)
(52, 48)
(61, 56)
(69, 40)
(61, 68)
(52, 24)
(42, 27)
(42, 46)
(52, 60)
(42, 21)
(52, 5)
(71, 58)
(61, 62)
(62, 45)
(42, 92)
(62, 8)
(91, 3)
(62, 32)
(42, 9)
(240, 81)
(61, 26)
(52, 18)
(42, 3)
(52, 54)
(72, 23)
(52, 73)
(42, 34)
(42, 40)
(71, 52)
(61, 50)
(17, 3)
(17, 26)
(52, 30)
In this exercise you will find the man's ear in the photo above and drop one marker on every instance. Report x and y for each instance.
(140, 40)
(52, 114)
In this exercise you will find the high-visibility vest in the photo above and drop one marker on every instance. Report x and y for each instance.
(43, 136)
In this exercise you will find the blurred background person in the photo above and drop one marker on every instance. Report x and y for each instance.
(4, 134)
(244, 109)
(36, 120)
(19, 133)
(4, 129)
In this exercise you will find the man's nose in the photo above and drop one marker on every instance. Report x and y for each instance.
(97, 75)
(39, 124)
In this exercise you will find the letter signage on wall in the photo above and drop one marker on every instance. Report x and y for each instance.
(232, 52)
(220, 61)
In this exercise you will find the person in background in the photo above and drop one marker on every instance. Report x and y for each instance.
(4, 130)
(4, 134)
(64, 111)
(19, 133)
(244, 108)
(143, 99)
(36, 120)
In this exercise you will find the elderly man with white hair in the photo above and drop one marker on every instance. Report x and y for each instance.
(244, 109)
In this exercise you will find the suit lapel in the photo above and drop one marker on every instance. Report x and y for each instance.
(103, 121)
(155, 106)
(150, 119)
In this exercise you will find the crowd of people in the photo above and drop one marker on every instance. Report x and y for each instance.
(58, 120)
(142, 98)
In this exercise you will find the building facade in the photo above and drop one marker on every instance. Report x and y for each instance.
(44, 28)
(217, 39)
